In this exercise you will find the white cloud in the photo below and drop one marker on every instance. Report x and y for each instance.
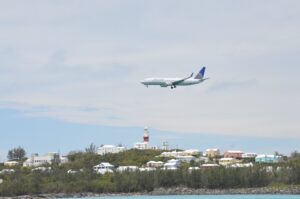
(82, 63)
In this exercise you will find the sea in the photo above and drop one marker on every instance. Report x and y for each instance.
(203, 197)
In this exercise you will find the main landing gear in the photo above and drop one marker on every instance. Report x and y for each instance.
(173, 86)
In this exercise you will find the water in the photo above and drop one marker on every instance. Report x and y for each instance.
(204, 197)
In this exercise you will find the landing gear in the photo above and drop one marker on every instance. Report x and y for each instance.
(173, 86)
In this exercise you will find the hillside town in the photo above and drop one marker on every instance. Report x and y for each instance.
(144, 168)
(174, 159)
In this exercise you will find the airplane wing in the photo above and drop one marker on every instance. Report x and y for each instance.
(174, 83)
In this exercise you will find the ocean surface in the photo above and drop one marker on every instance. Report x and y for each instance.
(203, 197)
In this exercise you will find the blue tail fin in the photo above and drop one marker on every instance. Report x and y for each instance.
(200, 75)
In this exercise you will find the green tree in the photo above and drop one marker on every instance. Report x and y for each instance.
(91, 149)
(295, 155)
(16, 154)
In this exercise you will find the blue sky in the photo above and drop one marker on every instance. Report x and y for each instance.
(49, 135)
(72, 69)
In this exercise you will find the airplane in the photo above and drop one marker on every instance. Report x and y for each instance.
(174, 82)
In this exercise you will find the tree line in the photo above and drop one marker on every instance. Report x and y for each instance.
(24, 181)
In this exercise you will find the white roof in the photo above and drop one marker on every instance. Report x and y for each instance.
(151, 161)
(209, 165)
(194, 168)
(234, 151)
(105, 164)
(224, 159)
(173, 160)
(185, 156)
(242, 165)
(192, 150)
(142, 143)
(212, 149)
(264, 155)
(171, 168)
(170, 164)
(128, 167)
(250, 153)
(12, 162)
(147, 169)
(108, 146)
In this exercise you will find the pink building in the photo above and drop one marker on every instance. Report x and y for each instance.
(233, 154)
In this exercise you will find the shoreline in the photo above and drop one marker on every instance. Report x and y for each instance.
(289, 190)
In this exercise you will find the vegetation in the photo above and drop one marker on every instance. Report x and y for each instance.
(91, 149)
(58, 180)
(16, 154)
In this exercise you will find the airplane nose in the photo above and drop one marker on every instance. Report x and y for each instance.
(143, 82)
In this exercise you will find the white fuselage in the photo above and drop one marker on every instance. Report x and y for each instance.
(164, 82)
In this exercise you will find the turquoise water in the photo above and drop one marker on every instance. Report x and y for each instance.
(204, 197)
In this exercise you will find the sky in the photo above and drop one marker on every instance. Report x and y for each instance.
(72, 69)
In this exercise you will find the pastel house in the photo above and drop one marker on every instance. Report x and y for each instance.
(268, 158)
(233, 154)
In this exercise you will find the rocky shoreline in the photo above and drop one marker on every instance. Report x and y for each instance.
(264, 190)
(290, 190)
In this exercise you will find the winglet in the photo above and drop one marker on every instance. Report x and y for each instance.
(200, 75)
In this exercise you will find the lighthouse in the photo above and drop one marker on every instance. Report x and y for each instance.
(146, 135)
(145, 144)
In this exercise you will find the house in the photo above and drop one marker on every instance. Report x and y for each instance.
(155, 164)
(248, 155)
(168, 154)
(185, 158)
(207, 166)
(103, 168)
(233, 154)
(127, 168)
(35, 160)
(240, 165)
(212, 153)
(147, 169)
(228, 161)
(104, 171)
(11, 163)
(41, 169)
(105, 149)
(172, 164)
(7, 171)
(191, 152)
(74, 171)
(103, 165)
(141, 145)
(268, 158)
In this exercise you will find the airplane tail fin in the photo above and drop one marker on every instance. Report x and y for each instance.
(200, 75)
